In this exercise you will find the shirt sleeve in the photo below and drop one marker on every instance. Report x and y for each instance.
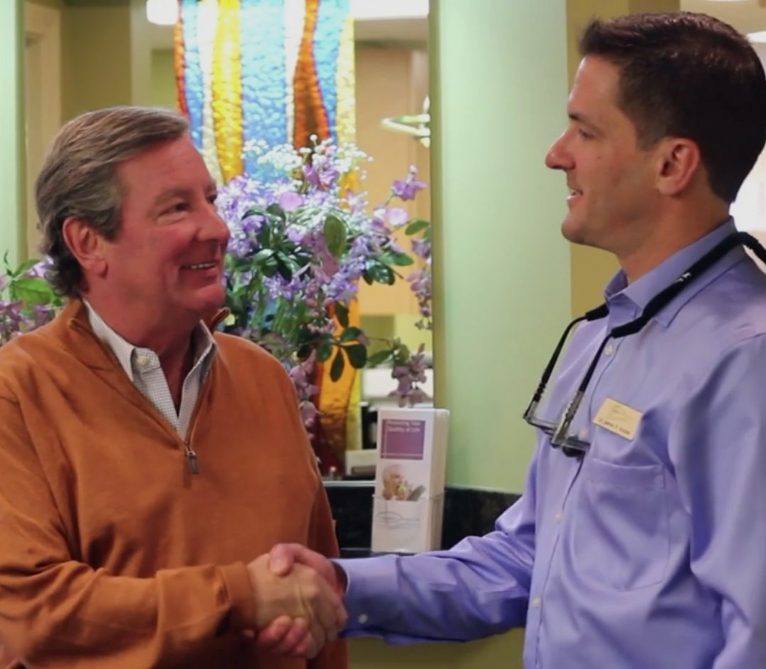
(718, 448)
(477, 588)
(54, 607)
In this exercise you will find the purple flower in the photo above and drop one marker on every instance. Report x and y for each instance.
(421, 248)
(300, 375)
(290, 201)
(277, 310)
(321, 172)
(407, 375)
(386, 219)
(16, 320)
(309, 414)
(356, 202)
(408, 188)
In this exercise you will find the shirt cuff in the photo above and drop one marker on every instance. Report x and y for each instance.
(371, 592)
(241, 595)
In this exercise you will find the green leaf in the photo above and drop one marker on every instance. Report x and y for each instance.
(303, 352)
(382, 274)
(402, 355)
(415, 226)
(338, 365)
(262, 256)
(350, 334)
(254, 211)
(335, 236)
(324, 350)
(32, 291)
(401, 259)
(269, 268)
(357, 355)
(306, 336)
(275, 210)
(26, 266)
(341, 313)
(264, 236)
(379, 357)
(368, 278)
(284, 270)
(288, 261)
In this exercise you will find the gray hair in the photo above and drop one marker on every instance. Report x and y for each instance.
(79, 177)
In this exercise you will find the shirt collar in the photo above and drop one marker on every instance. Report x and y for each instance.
(203, 343)
(626, 301)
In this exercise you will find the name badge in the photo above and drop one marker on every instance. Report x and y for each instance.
(618, 418)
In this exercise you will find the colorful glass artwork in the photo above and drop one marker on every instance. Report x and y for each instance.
(263, 73)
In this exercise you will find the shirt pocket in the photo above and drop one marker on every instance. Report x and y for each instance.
(620, 531)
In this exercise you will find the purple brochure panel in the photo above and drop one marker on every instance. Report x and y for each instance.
(403, 439)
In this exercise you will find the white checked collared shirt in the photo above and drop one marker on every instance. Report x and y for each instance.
(142, 365)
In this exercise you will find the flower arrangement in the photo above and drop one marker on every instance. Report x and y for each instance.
(302, 240)
(27, 300)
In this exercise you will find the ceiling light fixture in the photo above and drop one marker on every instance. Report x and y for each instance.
(162, 12)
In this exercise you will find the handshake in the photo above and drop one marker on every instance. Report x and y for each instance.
(298, 601)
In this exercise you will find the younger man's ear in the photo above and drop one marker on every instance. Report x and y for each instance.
(678, 162)
(85, 244)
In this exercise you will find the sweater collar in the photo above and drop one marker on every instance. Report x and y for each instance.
(74, 327)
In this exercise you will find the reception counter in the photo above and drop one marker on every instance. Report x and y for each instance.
(467, 511)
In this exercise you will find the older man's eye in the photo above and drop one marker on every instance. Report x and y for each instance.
(175, 208)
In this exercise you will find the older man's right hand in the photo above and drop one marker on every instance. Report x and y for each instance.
(303, 595)
(286, 636)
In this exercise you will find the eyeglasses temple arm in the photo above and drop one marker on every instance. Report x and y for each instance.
(593, 314)
(562, 430)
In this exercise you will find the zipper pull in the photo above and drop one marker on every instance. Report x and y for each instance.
(191, 459)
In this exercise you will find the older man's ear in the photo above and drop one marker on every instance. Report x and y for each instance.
(85, 244)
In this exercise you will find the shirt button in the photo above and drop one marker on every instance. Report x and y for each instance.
(609, 349)
(363, 618)
(536, 602)
(583, 434)
(558, 516)
(142, 360)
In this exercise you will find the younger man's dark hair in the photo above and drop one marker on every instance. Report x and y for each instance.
(693, 76)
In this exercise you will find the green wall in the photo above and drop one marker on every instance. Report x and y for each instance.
(498, 96)
(11, 137)
(501, 267)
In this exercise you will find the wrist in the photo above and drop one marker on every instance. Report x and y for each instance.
(240, 592)
(341, 579)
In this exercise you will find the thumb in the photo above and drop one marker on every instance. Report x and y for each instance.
(281, 559)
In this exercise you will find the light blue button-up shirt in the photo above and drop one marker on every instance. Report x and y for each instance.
(649, 552)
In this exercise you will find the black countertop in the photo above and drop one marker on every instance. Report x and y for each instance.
(467, 512)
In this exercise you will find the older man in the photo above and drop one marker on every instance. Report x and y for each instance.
(145, 462)
(638, 541)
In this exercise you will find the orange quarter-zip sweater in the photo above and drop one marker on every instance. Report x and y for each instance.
(112, 553)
